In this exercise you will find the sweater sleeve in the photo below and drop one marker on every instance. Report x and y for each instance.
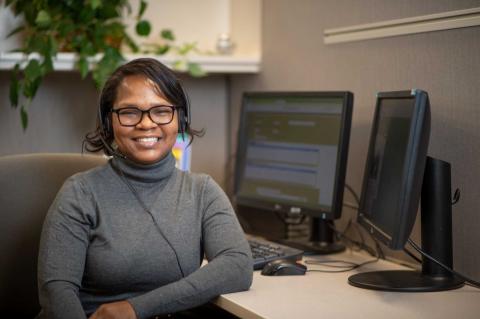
(229, 269)
(62, 252)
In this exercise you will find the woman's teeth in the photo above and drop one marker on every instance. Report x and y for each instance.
(148, 141)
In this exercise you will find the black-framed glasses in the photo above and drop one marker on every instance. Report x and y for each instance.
(131, 116)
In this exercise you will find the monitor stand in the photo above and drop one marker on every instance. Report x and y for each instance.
(436, 214)
(322, 239)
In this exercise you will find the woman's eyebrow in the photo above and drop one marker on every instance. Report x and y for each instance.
(121, 105)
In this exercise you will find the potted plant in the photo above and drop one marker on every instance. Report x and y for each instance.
(93, 30)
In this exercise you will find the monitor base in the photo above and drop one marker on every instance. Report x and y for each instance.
(403, 281)
(322, 239)
(315, 247)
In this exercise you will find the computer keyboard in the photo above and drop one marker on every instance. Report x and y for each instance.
(264, 251)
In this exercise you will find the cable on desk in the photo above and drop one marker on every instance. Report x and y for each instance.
(360, 244)
(356, 245)
(408, 252)
(348, 265)
(378, 248)
(469, 281)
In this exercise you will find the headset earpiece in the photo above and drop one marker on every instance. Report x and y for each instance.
(184, 115)
(182, 125)
(106, 126)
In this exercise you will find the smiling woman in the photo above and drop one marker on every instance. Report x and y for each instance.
(143, 139)
(127, 239)
(134, 87)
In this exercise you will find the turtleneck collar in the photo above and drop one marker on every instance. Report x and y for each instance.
(148, 173)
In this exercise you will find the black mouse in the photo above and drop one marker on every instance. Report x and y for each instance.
(284, 267)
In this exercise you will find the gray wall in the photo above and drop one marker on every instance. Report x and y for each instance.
(444, 63)
(65, 109)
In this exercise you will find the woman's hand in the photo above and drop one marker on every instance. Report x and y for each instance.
(115, 310)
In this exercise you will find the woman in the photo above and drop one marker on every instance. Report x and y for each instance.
(126, 240)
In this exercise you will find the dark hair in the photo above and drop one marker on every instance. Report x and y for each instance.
(165, 81)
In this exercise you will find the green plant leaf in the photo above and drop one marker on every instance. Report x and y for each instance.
(167, 34)
(14, 86)
(87, 48)
(114, 30)
(37, 42)
(195, 70)
(29, 12)
(141, 10)
(83, 66)
(109, 10)
(30, 87)
(162, 49)
(86, 15)
(64, 28)
(47, 65)
(186, 48)
(16, 30)
(131, 44)
(143, 28)
(94, 4)
(33, 70)
(24, 117)
(43, 19)
(52, 46)
(179, 65)
(107, 64)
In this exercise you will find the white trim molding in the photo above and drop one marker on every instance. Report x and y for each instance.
(226, 64)
(426, 23)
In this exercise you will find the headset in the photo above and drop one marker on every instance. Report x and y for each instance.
(105, 125)
(184, 115)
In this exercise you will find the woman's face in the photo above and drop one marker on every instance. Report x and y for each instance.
(147, 142)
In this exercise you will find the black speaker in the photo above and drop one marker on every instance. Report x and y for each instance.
(437, 217)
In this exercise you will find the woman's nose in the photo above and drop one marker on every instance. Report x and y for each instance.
(146, 122)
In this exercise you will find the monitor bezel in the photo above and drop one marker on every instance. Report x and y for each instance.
(342, 155)
(412, 174)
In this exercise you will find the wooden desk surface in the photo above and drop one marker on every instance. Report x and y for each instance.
(328, 295)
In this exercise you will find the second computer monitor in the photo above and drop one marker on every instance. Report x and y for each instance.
(292, 153)
(398, 172)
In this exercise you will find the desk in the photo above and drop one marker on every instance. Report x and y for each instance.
(328, 295)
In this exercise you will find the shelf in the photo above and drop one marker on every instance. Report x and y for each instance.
(210, 64)
(427, 23)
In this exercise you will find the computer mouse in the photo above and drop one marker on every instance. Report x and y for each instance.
(283, 267)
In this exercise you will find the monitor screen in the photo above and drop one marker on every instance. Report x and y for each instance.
(395, 164)
(292, 150)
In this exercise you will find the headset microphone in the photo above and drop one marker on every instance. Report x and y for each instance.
(111, 150)
(104, 128)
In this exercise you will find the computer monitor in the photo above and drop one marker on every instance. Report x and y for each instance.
(182, 152)
(398, 172)
(291, 158)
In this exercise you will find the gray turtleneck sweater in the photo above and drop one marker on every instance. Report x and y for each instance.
(99, 245)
